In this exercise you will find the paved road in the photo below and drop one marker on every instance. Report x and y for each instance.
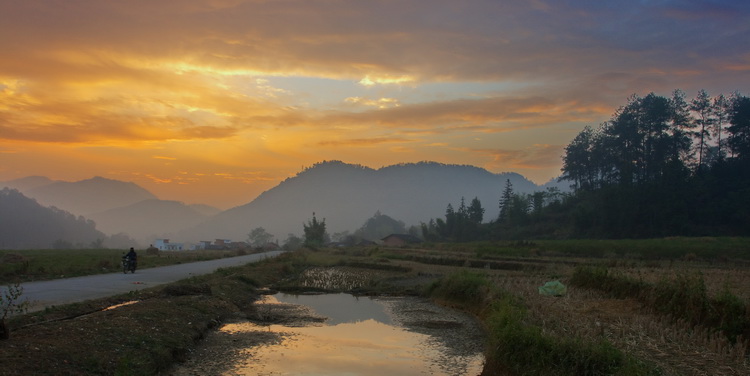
(70, 290)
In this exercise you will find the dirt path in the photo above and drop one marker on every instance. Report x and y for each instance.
(70, 290)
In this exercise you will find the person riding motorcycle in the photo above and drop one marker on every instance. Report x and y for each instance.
(130, 260)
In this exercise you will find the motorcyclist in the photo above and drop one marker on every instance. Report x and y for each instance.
(132, 258)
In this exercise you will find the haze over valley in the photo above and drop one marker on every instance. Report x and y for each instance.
(345, 195)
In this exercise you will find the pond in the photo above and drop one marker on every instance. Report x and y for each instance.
(340, 334)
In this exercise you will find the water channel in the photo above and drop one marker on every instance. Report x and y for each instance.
(340, 334)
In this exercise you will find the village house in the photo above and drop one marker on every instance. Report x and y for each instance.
(165, 245)
(218, 244)
(201, 245)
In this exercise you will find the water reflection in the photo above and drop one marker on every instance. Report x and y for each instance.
(338, 308)
(359, 338)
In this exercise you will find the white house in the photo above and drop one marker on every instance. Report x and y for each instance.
(165, 245)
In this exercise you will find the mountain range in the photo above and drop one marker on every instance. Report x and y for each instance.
(345, 195)
(83, 197)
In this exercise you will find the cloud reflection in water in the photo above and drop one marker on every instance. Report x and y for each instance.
(350, 347)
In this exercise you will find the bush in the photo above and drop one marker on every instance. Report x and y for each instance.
(10, 304)
(462, 287)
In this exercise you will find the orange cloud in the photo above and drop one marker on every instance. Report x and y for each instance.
(362, 141)
(540, 156)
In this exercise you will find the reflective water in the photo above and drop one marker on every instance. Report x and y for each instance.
(363, 336)
(339, 308)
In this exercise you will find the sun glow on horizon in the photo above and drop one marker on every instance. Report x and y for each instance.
(192, 99)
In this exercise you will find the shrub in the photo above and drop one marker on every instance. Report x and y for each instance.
(462, 287)
(10, 304)
(729, 314)
(684, 296)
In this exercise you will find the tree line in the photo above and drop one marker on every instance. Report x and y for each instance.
(661, 166)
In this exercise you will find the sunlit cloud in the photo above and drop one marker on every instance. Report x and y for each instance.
(157, 179)
(372, 81)
(379, 103)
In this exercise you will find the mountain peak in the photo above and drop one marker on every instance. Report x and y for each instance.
(91, 195)
(347, 195)
(29, 182)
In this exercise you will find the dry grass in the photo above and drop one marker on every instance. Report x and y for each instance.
(678, 348)
(675, 346)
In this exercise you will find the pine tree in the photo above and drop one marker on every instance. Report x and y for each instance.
(721, 108)
(506, 202)
(703, 107)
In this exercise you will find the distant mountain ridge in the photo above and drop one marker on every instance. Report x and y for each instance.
(89, 196)
(347, 195)
(25, 224)
(115, 206)
(27, 183)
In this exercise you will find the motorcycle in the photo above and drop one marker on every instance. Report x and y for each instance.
(128, 264)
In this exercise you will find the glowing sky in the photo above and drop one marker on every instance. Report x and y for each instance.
(215, 101)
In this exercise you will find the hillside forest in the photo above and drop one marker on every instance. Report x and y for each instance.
(661, 166)
(31, 226)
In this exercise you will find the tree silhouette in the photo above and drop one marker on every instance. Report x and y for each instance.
(475, 211)
(704, 109)
(315, 232)
(259, 237)
(739, 131)
(506, 202)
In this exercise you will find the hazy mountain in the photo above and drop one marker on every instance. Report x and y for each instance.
(27, 183)
(206, 210)
(562, 186)
(347, 195)
(25, 224)
(149, 219)
(89, 196)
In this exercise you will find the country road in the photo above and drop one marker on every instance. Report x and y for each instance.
(70, 290)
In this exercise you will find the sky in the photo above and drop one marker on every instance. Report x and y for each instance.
(216, 101)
